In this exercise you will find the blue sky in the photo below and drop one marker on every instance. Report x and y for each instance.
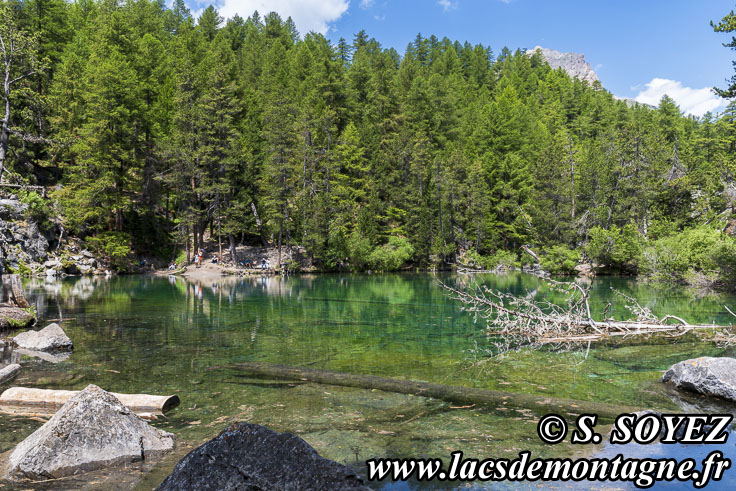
(639, 49)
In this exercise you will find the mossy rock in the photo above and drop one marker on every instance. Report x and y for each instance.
(15, 318)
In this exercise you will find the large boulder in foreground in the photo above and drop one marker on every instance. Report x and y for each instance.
(248, 456)
(91, 431)
(50, 338)
(706, 375)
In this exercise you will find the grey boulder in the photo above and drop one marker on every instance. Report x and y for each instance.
(250, 457)
(93, 430)
(50, 338)
(706, 375)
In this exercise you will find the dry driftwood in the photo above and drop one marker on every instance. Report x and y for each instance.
(21, 398)
(9, 372)
(524, 320)
(463, 395)
(16, 292)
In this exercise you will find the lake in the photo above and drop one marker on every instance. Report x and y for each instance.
(167, 335)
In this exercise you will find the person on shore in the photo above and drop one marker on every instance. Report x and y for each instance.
(172, 266)
(263, 263)
(196, 261)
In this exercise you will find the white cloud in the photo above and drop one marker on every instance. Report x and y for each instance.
(448, 4)
(366, 4)
(691, 101)
(308, 15)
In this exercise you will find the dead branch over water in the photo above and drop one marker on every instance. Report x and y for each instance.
(522, 319)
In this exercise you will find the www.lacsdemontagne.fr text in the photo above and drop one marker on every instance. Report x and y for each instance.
(643, 473)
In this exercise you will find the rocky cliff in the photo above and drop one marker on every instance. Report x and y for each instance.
(22, 243)
(29, 247)
(573, 63)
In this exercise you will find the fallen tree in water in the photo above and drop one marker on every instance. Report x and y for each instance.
(522, 319)
(25, 400)
(463, 395)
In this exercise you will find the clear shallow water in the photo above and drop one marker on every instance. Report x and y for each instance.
(167, 335)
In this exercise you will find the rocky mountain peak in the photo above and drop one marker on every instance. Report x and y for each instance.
(573, 63)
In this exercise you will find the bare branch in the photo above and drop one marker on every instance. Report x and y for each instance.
(27, 137)
(521, 320)
(25, 75)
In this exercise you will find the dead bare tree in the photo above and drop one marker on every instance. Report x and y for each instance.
(524, 320)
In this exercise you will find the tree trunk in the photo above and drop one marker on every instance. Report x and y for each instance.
(186, 242)
(231, 239)
(463, 395)
(219, 237)
(281, 233)
(572, 180)
(38, 398)
(259, 224)
(16, 289)
(5, 129)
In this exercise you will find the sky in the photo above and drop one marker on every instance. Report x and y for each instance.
(640, 49)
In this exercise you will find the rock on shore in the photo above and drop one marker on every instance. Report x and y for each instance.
(710, 376)
(50, 338)
(249, 456)
(15, 318)
(91, 431)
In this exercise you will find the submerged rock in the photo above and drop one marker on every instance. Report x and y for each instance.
(56, 357)
(91, 431)
(250, 456)
(50, 338)
(714, 377)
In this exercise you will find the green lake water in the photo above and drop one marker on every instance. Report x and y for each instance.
(159, 335)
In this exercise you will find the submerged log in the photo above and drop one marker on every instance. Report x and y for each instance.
(463, 395)
(144, 405)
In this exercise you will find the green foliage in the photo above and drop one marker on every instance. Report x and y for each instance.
(360, 249)
(501, 258)
(181, 258)
(291, 266)
(727, 24)
(617, 249)
(164, 126)
(695, 255)
(38, 209)
(560, 259)
(391, 256)
(113, 246)
(22, 269)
